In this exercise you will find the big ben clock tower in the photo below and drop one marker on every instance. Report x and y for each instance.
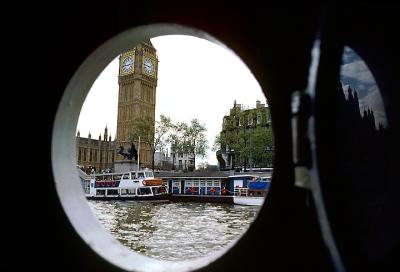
(136, 103)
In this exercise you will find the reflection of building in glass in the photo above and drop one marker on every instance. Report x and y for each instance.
(350, 112)
(362, 169)
(354, 72)
(246, 139)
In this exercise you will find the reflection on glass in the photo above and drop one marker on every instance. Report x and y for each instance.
(359, 86)
(362, 169)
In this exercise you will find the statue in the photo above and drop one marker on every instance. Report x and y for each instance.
(132, 152)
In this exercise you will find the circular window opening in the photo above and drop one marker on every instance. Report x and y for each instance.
(208, 145)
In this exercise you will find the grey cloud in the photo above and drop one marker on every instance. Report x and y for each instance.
(357, 70)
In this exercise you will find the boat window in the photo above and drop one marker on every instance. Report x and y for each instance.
(112, 192)
(126, 176)
(203, 184)
(117, 177)
(209, 183)
(144, 191)
(196, 184)
(216, 183)
(140, 175)
(101, 192)
(238, 183)
(128, 192)
(149, 174)
(158, 190)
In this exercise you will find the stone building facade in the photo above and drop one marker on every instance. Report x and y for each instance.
(97, 154)
(137, 79)
(137, 101)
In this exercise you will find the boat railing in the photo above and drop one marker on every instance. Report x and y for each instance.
(241, 191)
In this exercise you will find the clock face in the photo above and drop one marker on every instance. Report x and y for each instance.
(148, 66)
(127, 64)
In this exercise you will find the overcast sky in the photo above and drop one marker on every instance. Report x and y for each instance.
(196, 79)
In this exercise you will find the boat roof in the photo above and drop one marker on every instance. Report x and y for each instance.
(243, 175)
(122, 173)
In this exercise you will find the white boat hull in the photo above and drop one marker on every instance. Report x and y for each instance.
(248, 200)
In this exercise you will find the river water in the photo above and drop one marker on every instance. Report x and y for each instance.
(174, 231)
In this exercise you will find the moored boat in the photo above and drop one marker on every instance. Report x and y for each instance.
(248, 200)
(250, 192)
(133, 185)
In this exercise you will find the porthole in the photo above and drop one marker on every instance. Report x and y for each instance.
(64, 166)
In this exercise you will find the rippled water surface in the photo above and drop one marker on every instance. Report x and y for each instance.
(174, 231)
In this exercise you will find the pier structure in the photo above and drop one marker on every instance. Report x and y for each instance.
(211, 187)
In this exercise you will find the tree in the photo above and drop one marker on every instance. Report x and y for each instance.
(163, 127)
(261, 147)
(155, 137)
(189, 139)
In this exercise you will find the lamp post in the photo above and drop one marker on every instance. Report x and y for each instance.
(250, 156)
(270, 149)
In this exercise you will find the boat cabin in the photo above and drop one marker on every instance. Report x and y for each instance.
(249, 185)
(129, 184)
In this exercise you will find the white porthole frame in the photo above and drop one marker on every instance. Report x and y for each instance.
(63, 155)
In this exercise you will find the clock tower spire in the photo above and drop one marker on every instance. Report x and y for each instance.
(138, 68)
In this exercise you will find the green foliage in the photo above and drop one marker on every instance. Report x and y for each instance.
(189, 139)
(261, 142)
(249, 135)
(163, 127)
(143, 128)
(156, 136)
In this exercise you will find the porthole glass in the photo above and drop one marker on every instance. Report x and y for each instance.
(199, 201)
(355, 191)
(156, 221)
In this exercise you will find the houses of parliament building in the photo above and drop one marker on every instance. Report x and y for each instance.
(137, 79)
